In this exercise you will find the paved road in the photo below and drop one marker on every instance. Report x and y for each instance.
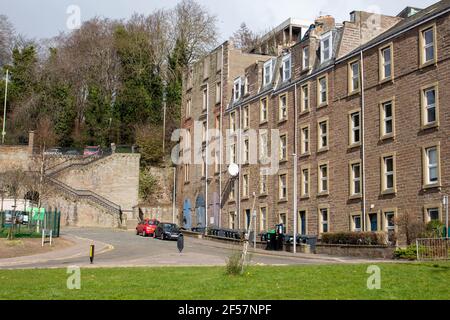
(125, 249)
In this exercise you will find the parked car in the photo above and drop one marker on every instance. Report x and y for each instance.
(147, 227)
(73, 153)
(92, 151)
(53, 152)
(167, 231)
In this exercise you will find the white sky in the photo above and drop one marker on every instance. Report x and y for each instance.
(46, 18)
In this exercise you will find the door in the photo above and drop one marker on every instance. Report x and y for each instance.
(187, 219)
(200, 211)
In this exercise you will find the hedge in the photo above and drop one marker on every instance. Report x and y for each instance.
(356, 238)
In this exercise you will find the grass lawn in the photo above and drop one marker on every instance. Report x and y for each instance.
(398, 281)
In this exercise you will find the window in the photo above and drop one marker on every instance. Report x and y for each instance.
(188, 108)
(218, 92)
(283, 148)
(353, 77)
(355, 129)
(322, 91)
(232, 195)
(302, 219)
(432, 166)
(282, 194)
(282, 111)
(433, 214)
(356, 223)
(237, 89)
(219, 60)
(204, 130)
(304, 98)
(233, 153)
(323, 135)
(286, 67)
(268, 68)
(355, 179)
(246, 85)
(386, 63)
(388, 174)
(205, 99)
(232, 122)
(373, 220)
(263, 145)
(263, 184)
(186, 173)
(304, 140)
(217, 161)
(282, 219)
(246, 152)
(262, 219)
(245, 117)
(430, 114)
(206, 67)
(323, 217)
(232, 221)
(245, 186)
(387, 119)
(323, 179)
(305, 183)
(263, 110)
(204, 163)
(305, 59)
(428, 51)
(326, 47)
(389, 218)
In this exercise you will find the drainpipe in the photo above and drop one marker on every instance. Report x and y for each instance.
(295, 170)
(239, 143)
(363, 144)
(207, 158)
(221, 140)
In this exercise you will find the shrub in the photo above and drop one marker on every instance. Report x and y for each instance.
(435, 229)
(355, 238)
(410, 253)
(234, 264)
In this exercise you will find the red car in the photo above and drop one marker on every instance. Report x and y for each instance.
(92, 151)
(147, 227)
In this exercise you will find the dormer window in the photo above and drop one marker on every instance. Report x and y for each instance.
(237, 89)
(305, 59)
(325, 47)
(286, 67)
(246, 85)
(268, 68)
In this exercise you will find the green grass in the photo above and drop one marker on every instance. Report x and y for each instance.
(343, 282)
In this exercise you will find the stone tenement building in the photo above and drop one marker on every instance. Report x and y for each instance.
(361, 106)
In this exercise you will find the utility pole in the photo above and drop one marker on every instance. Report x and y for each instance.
(4, 107)
(164, 116)
(295, 202)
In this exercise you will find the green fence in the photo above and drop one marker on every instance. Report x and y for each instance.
(31, 221)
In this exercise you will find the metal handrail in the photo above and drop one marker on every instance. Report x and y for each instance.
(87, 194)
(81, 162)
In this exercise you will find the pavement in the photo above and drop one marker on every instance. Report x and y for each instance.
(118, 248)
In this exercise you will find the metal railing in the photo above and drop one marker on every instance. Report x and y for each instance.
(76, 162)
(433, 249)
(86, 194)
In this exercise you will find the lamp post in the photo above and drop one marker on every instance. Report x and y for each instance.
(4, 107)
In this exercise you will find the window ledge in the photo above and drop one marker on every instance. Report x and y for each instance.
(187, 182)
(304, 112)
(281, 121)
(283, 161)
(355, 145)
(322, 105)
(323, 194)
(261, 123)
(432, 186)
(390, 136)
(389, 192)
(305, 197)
(432, 125)
(263, 195)
(355, 197)
(353, 93)
(386, 80)
(305, 155)
(427, 64)
(244, 198)
(323, 150)
(283, 200)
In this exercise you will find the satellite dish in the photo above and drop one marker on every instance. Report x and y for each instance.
(233, 170)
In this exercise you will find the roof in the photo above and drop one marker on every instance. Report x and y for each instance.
(419, 17)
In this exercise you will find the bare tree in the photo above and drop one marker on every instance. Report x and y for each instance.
(14, 182)
(195, 27)
(410, 226)
(6, 40)
(244, 38)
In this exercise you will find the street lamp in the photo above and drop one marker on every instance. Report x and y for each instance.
(4, 107)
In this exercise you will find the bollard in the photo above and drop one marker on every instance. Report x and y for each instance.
(91, 253)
